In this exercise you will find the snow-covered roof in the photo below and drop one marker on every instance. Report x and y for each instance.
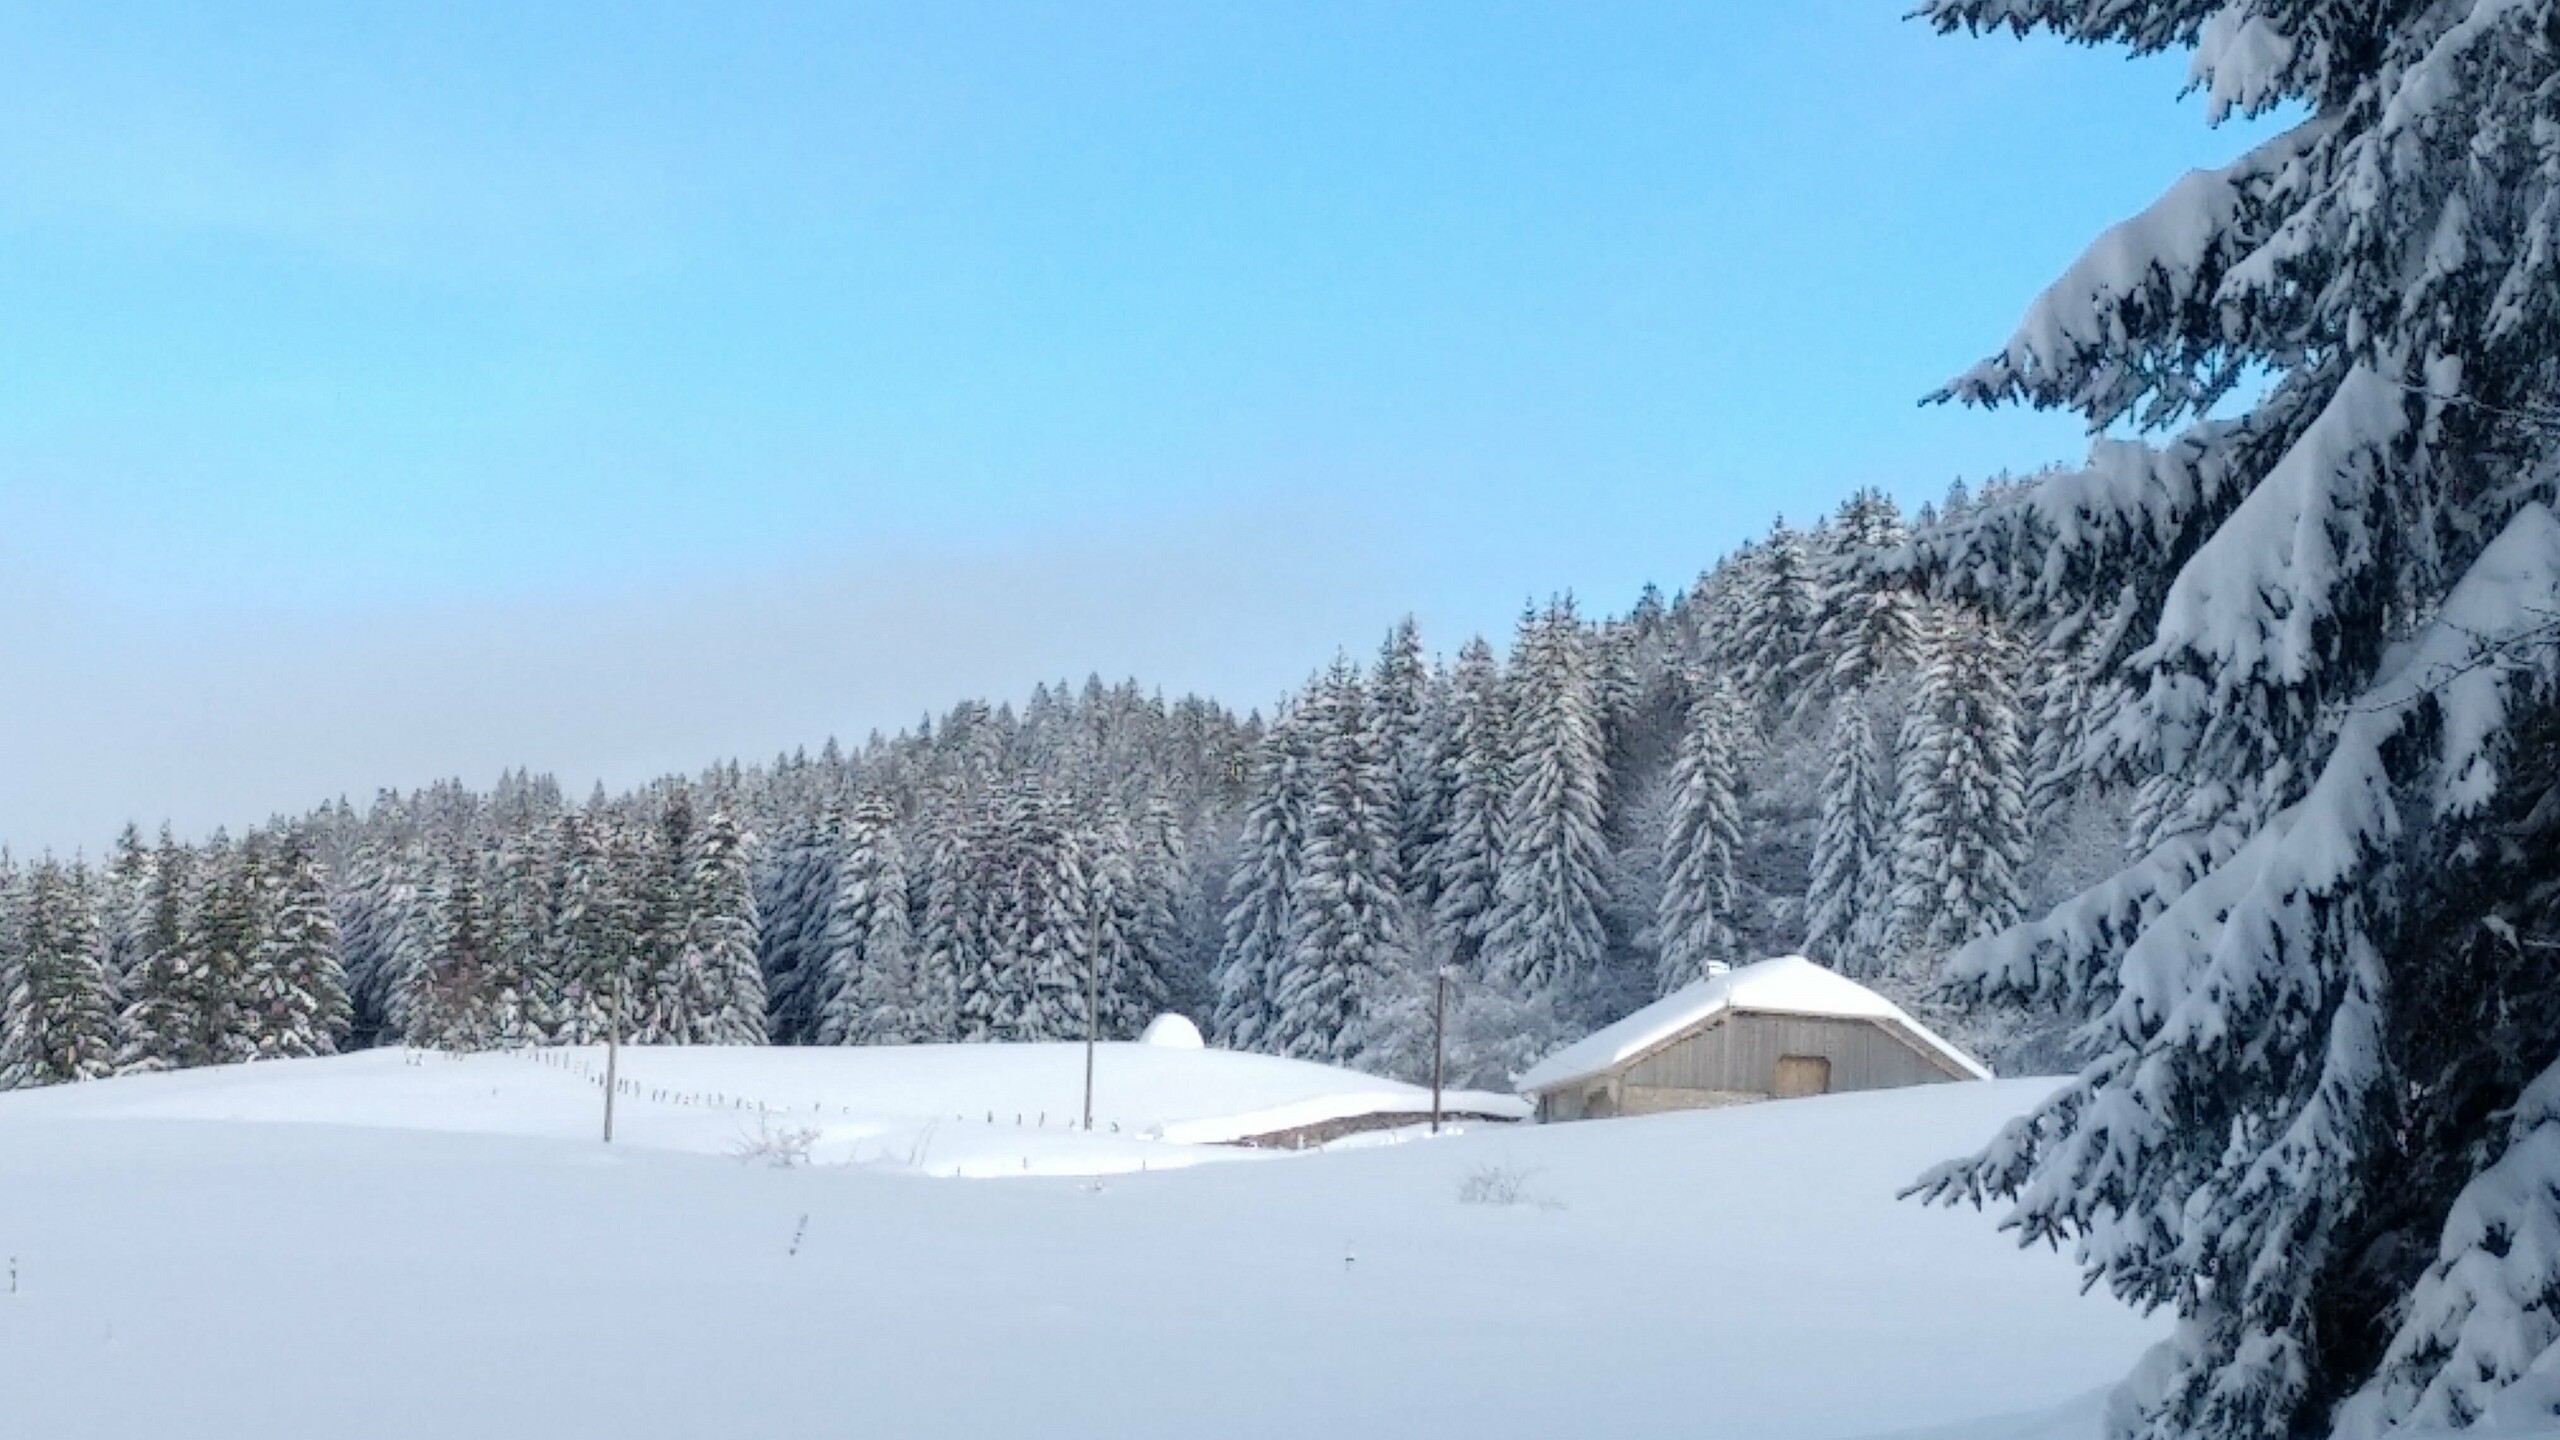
(1788, 985)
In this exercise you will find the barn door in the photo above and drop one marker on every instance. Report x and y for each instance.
(1802, 1075)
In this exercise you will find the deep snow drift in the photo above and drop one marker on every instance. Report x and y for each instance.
(443, 1249)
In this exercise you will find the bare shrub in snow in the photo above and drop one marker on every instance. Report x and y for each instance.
(1496, 1184)
(781, 1149)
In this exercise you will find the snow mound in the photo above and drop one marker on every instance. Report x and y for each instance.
(1788, 985)
(1172, 1032)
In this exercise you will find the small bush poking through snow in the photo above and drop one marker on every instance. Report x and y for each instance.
(1498, 1184)
(780, 1149)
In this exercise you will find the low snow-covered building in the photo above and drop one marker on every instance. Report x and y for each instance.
(1777, 1029)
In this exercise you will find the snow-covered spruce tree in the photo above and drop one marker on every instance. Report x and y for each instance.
(1638, 832)
(1617, 682)
(1546, 936)
(1029, 983)
(795, 895)
(1108, 903)
(1775, 615)
(719, 989)
(1432, 783)
(2464, 1351)
(1159, 865)
(411, 909)
(870, 993)
(1467, 861)
(1115, 924)
(1960, 805)
(1849, 906)
(56, 1022)
(2070, 700)
(1131, 871)
(2323, 993)
(220, 937)
(525, 989)
(13, 897)
(1199, 884)
(988, 993)
(594, 938)
(654, 861)
(949, 938)
(1865, 627)
(1694, 927)
(124, 910)
(1345, 920)
(1707, 617)
(370, 899)
(14, 880)
(446, 1000)
(150, 1028)
(1268, 860)
(294, 993)
(1049, 918)
(1399, 708)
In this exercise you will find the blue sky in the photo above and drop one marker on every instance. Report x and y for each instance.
(608, 388)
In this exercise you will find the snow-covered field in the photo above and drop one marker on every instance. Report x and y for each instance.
(942, 1109)
(430, 1246)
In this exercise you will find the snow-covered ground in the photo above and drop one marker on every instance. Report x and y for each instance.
(943, 1109)
(438, 1247)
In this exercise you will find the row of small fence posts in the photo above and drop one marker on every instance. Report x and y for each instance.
(1092, 1029)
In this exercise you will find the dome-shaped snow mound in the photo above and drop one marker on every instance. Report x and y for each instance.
(1171, 1032)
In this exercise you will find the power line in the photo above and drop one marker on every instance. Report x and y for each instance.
(2546, 419)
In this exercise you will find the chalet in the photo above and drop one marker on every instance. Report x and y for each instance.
(1769, 1031)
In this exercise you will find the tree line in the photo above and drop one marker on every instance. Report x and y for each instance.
(1799, 751)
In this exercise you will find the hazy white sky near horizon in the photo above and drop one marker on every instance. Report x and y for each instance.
(613, 389)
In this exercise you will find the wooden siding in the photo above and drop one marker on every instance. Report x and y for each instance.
(1740, 1052)
(1650, 1100)
(1603, 1096)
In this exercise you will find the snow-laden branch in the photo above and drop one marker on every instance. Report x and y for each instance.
(2250, 1003)
(2115, 336)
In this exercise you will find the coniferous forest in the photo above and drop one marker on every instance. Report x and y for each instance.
(1800, 751)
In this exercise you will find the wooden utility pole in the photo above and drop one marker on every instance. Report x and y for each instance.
(1439, 1034)
(1092, 1001)
(612, 1055)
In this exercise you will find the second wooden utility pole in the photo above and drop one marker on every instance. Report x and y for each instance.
(1439, 1032)
(1092, 1004)
(612, 1056)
